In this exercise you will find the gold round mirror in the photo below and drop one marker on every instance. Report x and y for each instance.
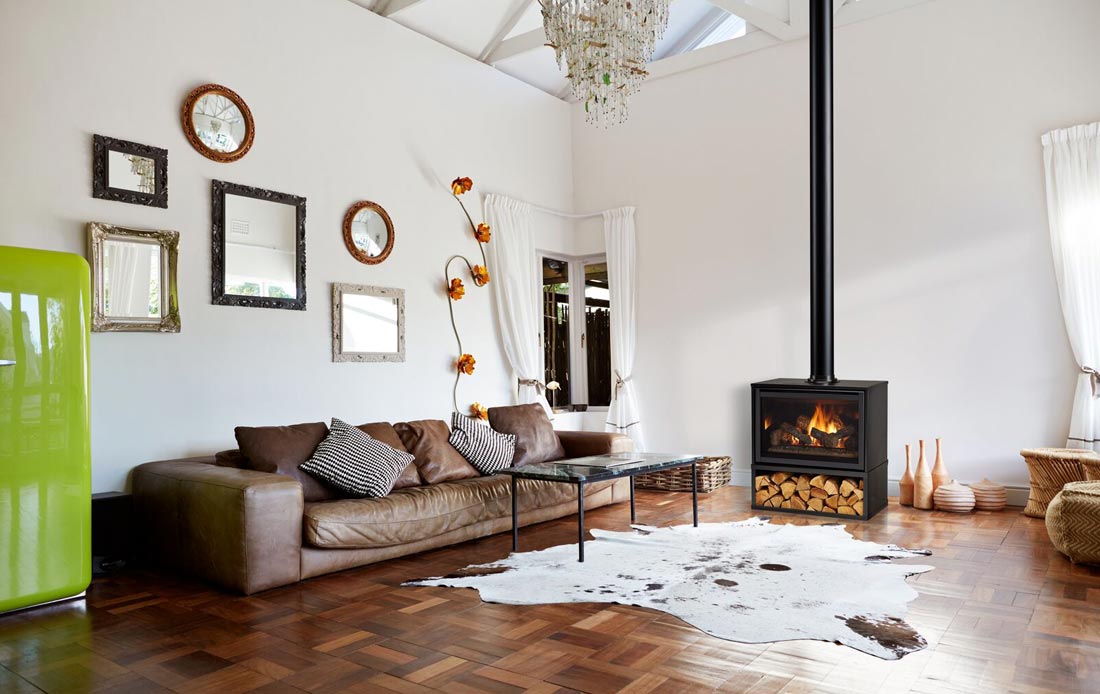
(217, 123)
(368, 232)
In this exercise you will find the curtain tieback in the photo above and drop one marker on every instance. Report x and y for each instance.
(620, 381)
(1094, 377)
(538, 385)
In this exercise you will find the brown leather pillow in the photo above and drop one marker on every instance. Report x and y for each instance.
(536, 441)
(282, 449)
(384, 432)
(231, 458)
(435, 457)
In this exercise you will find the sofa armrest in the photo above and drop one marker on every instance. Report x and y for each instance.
(241, 529)
(578, 444)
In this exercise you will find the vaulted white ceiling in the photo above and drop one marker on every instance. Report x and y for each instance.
(508, 34)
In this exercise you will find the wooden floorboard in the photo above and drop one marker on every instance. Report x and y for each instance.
(1003, 612)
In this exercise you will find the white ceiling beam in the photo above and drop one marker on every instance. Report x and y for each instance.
(859, 11)
(505, 29)
(757, 40)
(517, 45)
(388, 8)
(759, 18)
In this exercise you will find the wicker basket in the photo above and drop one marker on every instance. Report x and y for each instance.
(1051, 469)
(711, 474)
(1073, 522)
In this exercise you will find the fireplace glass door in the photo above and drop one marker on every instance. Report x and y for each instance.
(809, 428)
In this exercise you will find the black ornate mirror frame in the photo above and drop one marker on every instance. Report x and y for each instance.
(102, 146)
(217, 252)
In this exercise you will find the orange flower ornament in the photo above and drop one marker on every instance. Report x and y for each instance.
(461, 185)
(481, 276)
(466, 364)
(482, 233)
(479, 411)
(456, 291)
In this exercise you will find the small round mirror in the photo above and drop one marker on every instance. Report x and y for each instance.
(368, 232)
(217, 123)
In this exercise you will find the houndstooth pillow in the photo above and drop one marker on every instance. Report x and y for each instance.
(356, 464)
(487, 450)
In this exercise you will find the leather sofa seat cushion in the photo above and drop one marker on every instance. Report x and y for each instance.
(417, 513)
(536, 441)
(282, 449)
(434, 456)
(384, 432)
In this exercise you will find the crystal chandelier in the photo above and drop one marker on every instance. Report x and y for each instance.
(605, 46)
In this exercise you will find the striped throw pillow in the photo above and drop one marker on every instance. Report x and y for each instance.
(356, 464)
(487, 450)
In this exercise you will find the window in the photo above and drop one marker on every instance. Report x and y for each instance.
(576, 331)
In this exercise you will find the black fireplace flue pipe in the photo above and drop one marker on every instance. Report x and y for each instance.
(821, 192)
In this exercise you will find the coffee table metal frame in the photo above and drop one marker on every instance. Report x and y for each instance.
(580, 475)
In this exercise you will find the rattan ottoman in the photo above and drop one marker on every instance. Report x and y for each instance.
(1050, 470)
(1073, 522)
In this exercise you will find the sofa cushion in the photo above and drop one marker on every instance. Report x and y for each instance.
(435, 458)
(536, 441)
(487, 450)
(384, 432)
(417, 513)
(231, 458)
(282, 449)
(356, 464)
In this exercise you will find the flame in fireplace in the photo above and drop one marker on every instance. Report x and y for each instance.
(827, 419)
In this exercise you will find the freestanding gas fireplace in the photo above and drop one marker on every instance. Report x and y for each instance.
(818, 444)
(819, 448)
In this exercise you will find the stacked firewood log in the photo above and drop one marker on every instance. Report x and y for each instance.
(821, 493)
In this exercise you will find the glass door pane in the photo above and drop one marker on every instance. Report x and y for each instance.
(555, 331)
(597, 331)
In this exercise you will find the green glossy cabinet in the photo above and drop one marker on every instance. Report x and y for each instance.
(45, 444)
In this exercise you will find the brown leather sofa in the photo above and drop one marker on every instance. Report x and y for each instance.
(250, 531)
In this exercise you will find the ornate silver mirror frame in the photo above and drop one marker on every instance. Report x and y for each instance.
(380, 318)
(162, 313)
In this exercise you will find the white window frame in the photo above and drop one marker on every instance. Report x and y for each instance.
(578, 342)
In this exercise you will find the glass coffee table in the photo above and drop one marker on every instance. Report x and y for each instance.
(598, 469)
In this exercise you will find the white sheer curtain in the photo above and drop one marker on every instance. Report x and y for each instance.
(128, 278)
(623, 415)
(515, 284)
(1072, 158)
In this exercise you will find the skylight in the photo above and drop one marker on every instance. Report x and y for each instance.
(697, 24)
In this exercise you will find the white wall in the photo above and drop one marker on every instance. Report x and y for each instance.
(945, 284)
(348, 106)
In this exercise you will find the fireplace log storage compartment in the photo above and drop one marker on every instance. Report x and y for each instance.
(819, 445)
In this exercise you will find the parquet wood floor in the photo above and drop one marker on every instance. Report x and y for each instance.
(1003, 612)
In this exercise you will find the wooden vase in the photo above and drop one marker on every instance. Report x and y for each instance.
(922, 483)
(939, 470)
(906, 484)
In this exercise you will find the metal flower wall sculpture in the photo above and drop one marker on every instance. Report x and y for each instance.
(455, 289)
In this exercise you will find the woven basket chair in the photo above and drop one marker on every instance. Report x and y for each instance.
(1073, 522)
(1050, 470)
(1092, 469)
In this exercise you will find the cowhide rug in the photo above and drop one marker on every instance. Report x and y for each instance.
(749, 581)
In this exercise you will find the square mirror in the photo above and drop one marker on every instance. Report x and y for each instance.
(368, 323)
(129, 172)
(133, 279)
(259, 247)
